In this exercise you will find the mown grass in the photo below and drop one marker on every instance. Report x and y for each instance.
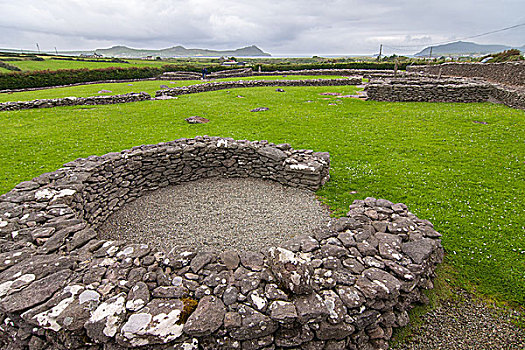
(466, 177)
(149, 86)
(52, 64)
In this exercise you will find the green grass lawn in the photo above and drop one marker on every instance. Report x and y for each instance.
(466, 177)
(149, 86)
(52, 64)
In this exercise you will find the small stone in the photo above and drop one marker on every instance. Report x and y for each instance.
(138, 296)
(260, 109)
(106, 319)
(253, 325)
(230, 258)
(328, 331)
(310, 308)
(350, 296)
(197, 120)
(419, 250)
(290, 337)
(207, 318)
(230, 295)
(252, 260)
(157, 323)
(283, 311)
(170, 292)
(200, 260)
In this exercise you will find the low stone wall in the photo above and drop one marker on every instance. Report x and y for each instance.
(507, 73)
(346, 287)
(223, 85)
(180, 75)
(192, 89)
(228, 73)
(74, 101)
(401, 90)
(444, 90)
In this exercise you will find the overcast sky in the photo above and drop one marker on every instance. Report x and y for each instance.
(296, 27)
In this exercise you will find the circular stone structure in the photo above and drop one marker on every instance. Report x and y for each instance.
(344, 286)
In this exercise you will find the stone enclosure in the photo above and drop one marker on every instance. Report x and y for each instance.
(170, 92)
(435, 89)
(454, 82)
(345, 287)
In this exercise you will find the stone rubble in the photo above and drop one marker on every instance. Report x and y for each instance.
(345, 287)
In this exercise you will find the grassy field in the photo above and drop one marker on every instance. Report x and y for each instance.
(123, 88)
(53, 64)
(464, 176)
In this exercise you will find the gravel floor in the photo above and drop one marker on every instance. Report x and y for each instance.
(467, 324)
(213, 214)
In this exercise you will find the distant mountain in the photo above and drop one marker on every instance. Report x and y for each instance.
(178, 51)
(464, 48)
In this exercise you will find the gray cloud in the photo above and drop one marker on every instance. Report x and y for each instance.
(279, 27)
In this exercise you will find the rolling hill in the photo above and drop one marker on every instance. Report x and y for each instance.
(178, 51)
(464, 48)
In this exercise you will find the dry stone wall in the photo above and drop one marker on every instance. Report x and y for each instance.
(223, 85)
(428, 90)
(168, 93)
(74, 101)
(444, 90)
(507, 73)
(346, 287)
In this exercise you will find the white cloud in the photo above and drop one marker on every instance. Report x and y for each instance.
(284, 26)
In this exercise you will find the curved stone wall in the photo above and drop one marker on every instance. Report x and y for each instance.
(168, 93)
(61, 287)
(223, 85)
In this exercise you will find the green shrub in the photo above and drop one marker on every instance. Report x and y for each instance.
(506, 56)
(34, 79)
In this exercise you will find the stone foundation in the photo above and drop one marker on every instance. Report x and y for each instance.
(223, 85)
(345, 287)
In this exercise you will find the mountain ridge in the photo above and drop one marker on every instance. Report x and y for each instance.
(465, 48)
(179, 51)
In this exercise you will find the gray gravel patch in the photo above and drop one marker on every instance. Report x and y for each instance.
(467, 324)
(215, 214)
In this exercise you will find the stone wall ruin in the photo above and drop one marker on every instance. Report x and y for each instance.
(506, 73)
(346, 287)
(433, 89)
(170, 92)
